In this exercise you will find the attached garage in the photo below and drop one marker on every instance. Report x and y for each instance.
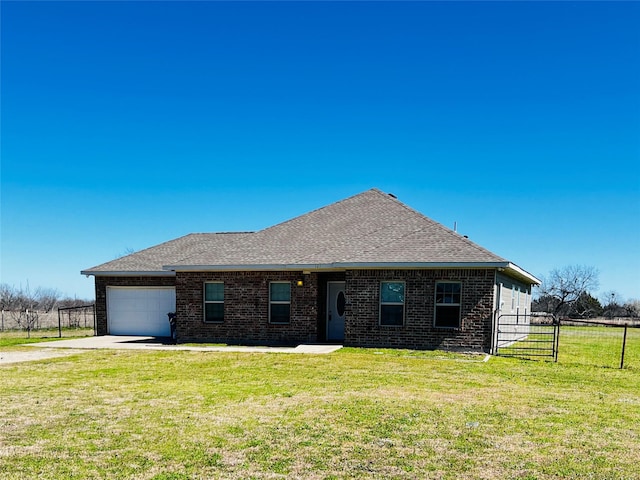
(140, 310)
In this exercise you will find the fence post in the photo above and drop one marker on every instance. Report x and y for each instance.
(59, 325)
(557, 342)
(624, 343)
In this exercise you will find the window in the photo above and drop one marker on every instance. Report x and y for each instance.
(448, 304)
(392, 303)
(279, 302)
(214, 302)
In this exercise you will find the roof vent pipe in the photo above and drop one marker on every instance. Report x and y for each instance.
(455, 227)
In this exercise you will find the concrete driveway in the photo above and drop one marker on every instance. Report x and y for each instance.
(153, 343)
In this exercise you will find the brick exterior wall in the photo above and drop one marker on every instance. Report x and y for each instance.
(362, 326)
(246, 308)
(101, 293)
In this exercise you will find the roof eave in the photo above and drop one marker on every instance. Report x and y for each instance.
(515, 271)
(508, 267)
(125, 273)
(332, 266)
(170, 270)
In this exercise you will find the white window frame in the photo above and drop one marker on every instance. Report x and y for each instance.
(403, 303)
(280, 302)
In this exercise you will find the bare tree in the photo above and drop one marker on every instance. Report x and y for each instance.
(586, 306)
(47, 298)
(24, 309)
(565, 285)
(74, 302)
(632, 308)
(8, 297)
(613, 304)
(26, 319)
(8, 301)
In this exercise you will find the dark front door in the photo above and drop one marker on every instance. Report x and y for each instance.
(336, 302)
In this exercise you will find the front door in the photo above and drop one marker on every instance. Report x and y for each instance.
(336, 303)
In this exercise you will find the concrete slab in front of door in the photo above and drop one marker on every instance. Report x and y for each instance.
(145, 343)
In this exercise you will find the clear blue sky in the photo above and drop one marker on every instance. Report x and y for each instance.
(126, 124)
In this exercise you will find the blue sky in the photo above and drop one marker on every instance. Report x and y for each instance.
(126, 124)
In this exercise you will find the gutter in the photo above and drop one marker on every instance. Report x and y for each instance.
(519, 272)
(506, 267)
(120, 273)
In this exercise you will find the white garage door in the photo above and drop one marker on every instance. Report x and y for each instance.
(140, 310)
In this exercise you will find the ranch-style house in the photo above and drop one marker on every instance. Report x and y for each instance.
(366, 271)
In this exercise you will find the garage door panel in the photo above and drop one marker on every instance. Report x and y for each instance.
(140, 311)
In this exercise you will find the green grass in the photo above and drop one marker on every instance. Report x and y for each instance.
(356, 413)
(10, 338)
(584, 345)
(598, 345)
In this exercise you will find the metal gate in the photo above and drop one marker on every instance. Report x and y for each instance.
(526, 336)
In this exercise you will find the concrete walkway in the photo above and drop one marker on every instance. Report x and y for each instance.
(153, 343)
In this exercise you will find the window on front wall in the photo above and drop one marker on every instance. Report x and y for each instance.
(279, 302)
(448, 296)
(392, 303)
(214, 302)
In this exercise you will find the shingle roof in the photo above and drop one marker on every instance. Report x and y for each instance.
(371, 229)
(153, 259)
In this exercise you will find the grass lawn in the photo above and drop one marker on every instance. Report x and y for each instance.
(355, 413)
(19, 337)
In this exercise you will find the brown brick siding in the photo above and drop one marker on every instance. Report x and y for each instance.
(362, 321)
(246, 308)
(101, 293)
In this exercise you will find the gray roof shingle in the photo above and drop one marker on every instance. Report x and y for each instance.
(153, 259)
(368, 229)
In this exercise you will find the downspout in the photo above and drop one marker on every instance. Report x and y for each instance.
(496, 315)
(494, 320)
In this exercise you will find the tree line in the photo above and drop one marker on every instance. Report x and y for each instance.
(24, 306)
(566, 292)
(41, 299)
